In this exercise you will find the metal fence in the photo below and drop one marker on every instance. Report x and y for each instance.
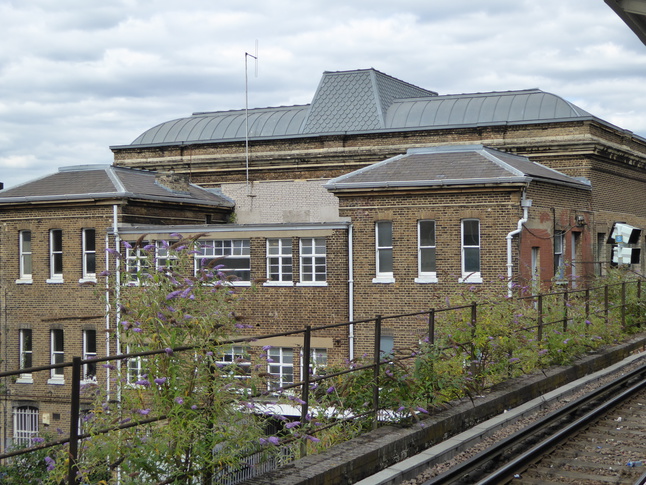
(544, 312)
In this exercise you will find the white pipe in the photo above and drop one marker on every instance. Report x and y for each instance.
(526, 204)
(350, 293)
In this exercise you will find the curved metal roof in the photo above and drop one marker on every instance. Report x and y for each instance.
(365, 101)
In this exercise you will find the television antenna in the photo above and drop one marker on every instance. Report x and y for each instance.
(246, 108)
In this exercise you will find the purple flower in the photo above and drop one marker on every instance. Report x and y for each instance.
(137, 329)
(173, 294)
(51, 464)
(293, 424)
(422, 410)
(126, 244)
(330, 390)
(143, 382)
(266, 347)
(273, 440)
(514, 359)
(38, 439)
(160, 380)
(144, 412)
(168, 350)
(109, 366)
(179, 400)
(176, 235)
(193, 407)
(312, 439)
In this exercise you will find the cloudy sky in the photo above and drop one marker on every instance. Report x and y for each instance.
(77, 76)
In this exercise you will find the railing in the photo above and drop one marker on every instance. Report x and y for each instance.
(542, 315)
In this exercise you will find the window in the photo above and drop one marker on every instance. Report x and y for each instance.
(384, 255)
(536, 270)
(136, 261)
(426, 252)
(89, 254)
(313, 261)
(25, 425)
(602, 259)
(55, 255)
(89, 352)
(135, 369)
(559, 257)
(279, 260)
(25, 256)
(281, 366)
(26, 349)
(318, 361)
(471, 251)
(231, 254)
(57, 355)
(235, 362)
(164, 260)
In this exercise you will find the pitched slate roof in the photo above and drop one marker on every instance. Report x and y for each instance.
(450, 165)
(106, 182)
(363, 101)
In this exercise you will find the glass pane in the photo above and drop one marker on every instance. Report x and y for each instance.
(428, 260)
(288, 356)
(90, 341)
(427, 233)
(26, 360)
(26, 340)
(384, 234)
(26, 264)
(471, 235)
(57, 240)
(26, 241)
(57, 340)
(90, 242)
(471, 260)
(385, 260)
(90, 263)
(58, 263)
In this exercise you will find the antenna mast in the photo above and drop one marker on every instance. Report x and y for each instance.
(246, 107)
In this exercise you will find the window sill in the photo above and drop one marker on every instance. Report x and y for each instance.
(58, 381)
(25, 380)
(426, 279)
(56, 281)
(24, 281)
(470, 279)
(278, 283)
(312, 283)
(88, 279)
(383, 279)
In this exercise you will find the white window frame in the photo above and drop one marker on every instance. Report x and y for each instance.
(422, 249)
(281, 366)
(25, 425)
(89, 352)
(470, 276)
(26, 351)
(134, 369)
(313, 261)
(57, 355)
(559, 256)
(136, 262)
(237, 357)
(89, 253)
(280, 262)
(228, 250)
(383, 247)
(55, 256)
(163, 258)
(26, 258)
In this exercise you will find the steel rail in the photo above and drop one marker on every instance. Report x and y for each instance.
(488, 455)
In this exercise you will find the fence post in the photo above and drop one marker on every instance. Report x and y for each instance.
(606, 303)
(431, 326)
(540, 317)
(474, 316)
(305, 365)
(623, 305)
(565, 312)
(75, 407)
(376, 363)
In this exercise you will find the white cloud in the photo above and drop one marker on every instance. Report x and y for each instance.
(77, 77)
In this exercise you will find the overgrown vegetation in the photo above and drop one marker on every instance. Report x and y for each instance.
(199, 423)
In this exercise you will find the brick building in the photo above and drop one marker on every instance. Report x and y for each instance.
(377, 197)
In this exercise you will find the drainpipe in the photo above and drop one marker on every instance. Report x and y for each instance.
(350, 293)
(525, 204)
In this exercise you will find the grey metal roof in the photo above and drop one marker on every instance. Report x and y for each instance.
(451, 165)
(363, 101)
(106, 182)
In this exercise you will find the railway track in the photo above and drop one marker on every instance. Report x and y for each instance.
(598, 439)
